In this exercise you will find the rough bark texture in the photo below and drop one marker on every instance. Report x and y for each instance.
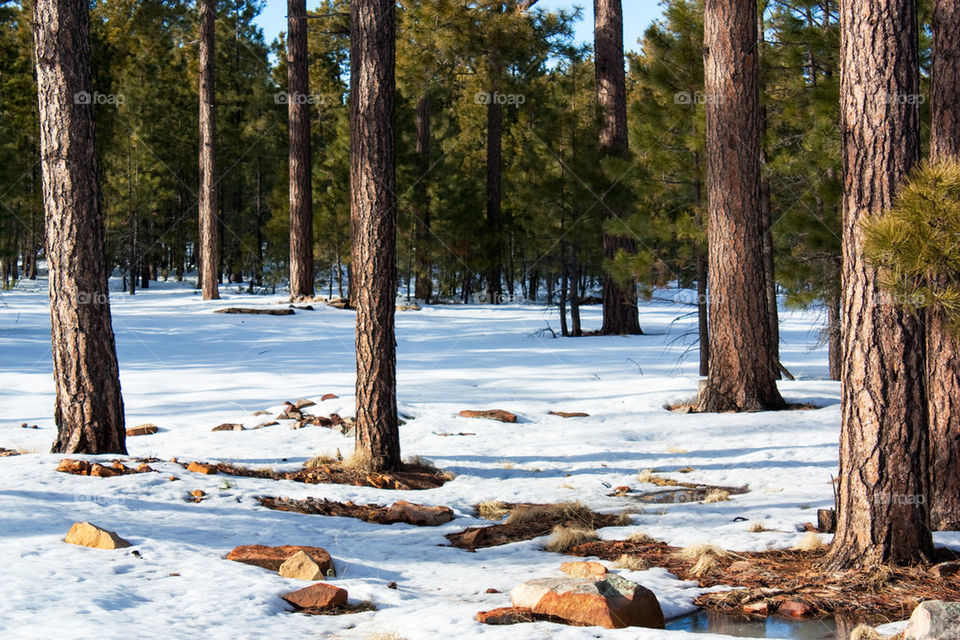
(424, 286)
(494, 161)
(298, 115)
(703, 330)
(619, 302)
(373, 208)
(209, 249)
(89, 408)
(882, 512)
(834, 343)
(943, 351)
(743, 372)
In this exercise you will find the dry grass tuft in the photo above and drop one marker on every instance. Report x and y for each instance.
(646, 475)
(640, 538)
(623, 520)
(866, 632)
(632, 563)
(384, 636)
(810, 542)
(565, 538)
(686, 470)
(717, 495)
(419, 463)
(359, 460)
(506, 464)
(757, 527)
(562, 510)
(492, 510)
(677, 450)
(706, 557)
(320, 461)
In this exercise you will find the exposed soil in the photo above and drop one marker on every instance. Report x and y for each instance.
(410, 478)
(338, 610)
(258, 312)
(537, 520)
(368, 512)
(8, 452)
(792, 582)
(691, 407)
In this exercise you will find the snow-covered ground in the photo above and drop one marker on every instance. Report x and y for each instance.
(187, 370)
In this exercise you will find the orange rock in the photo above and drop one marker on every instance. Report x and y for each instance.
(317, 596)
(142, 430)
(173, 478)
(228, 426)
(76, 467)
(505, 615)
(793, 609)
(144, 468)
(757, 608)
(272, 557)
(418, 514)
(583, 569)
(612, 602)
(101, 471)
(198, 493)
(201, 467)
(329, 396)
(490, 414)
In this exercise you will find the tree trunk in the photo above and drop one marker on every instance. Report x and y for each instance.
(702, 327)
(834, 342)
(743, 375)
(766, 218)
(298, 114)
(209, 249)
(943, 351)
(620, 314)
(373, 208)
(89, 407)
(882, 517)
(494, 159)
(424, 286)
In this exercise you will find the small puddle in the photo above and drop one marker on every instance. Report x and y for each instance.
(773, 627)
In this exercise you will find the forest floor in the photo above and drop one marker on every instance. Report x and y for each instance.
(188, 370)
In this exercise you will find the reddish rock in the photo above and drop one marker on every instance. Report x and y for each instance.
(584, 569)
(329, 396)
(793, 609)
(418, 514)
(612, 602)
(490, 414)
(228, 426)
(492, 590)
(201, 467)
(173, 478)
(321, 421)
(505, 615)
(198, 494)
(100, 471)
(145, 468)
(303, 403)
(757, 608)
(570, 414)
(317, 596)
(76, 467)
(273, 557)
(945, 569)
(142, 430)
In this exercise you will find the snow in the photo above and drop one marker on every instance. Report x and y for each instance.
(187, 370)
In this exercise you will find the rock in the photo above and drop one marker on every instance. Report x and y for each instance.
(934, 620)
(945, 569)
(740, 566)
(201, 467)
(100, 471)
(145, 468)
(302, 567)
(570, 414)
(228, 426)
(329, 396)
(583, 569)
(173, 478)
(85, 534)
(612, 601)
(317, 596)
(8, 452)
(418, 514)
(760, 608)
(198, 494)
(303, 403)
(490, 414)
(505, 615)
(793, 609)
(826, 520)
(492, 590)
(261, 412)
(76, 467)
(273, 557)
(142, 430)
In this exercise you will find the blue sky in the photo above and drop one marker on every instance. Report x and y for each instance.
(637, 14)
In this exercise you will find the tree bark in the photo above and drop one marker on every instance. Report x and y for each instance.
(766, 217)
(943, 351)
(882, 517)
(89, 407)
(494, 220)
(620, 315)
(298, 114)
(743, 374)
(373, 208)
(209, 249)
(702, 317)
(834, 343)
(424, 286)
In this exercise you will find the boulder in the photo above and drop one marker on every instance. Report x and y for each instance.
(584, 569)
(301, 567)
(76, 467)
(201, 467)
(317, 596)
(505, 615)
(610, 601)
(418, 514)
(142, 430)
(934, 620)
(490, 414)
(85, 534)
(794, 609)
(273, 557)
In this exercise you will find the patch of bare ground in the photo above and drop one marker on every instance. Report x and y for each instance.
(411, 477)
(528, 521)
(338, 610)
(410, 513)
(8, 452)
(789, 582)
(691, 407)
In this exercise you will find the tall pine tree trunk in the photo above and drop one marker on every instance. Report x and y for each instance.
(620, 314)
(89, 408)
(298, 114)
(766, 217)
(943, 351)
(494, 222)
(209, 245)
(424, 286)
(882, 514)
(373, 208)
(743, 373)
